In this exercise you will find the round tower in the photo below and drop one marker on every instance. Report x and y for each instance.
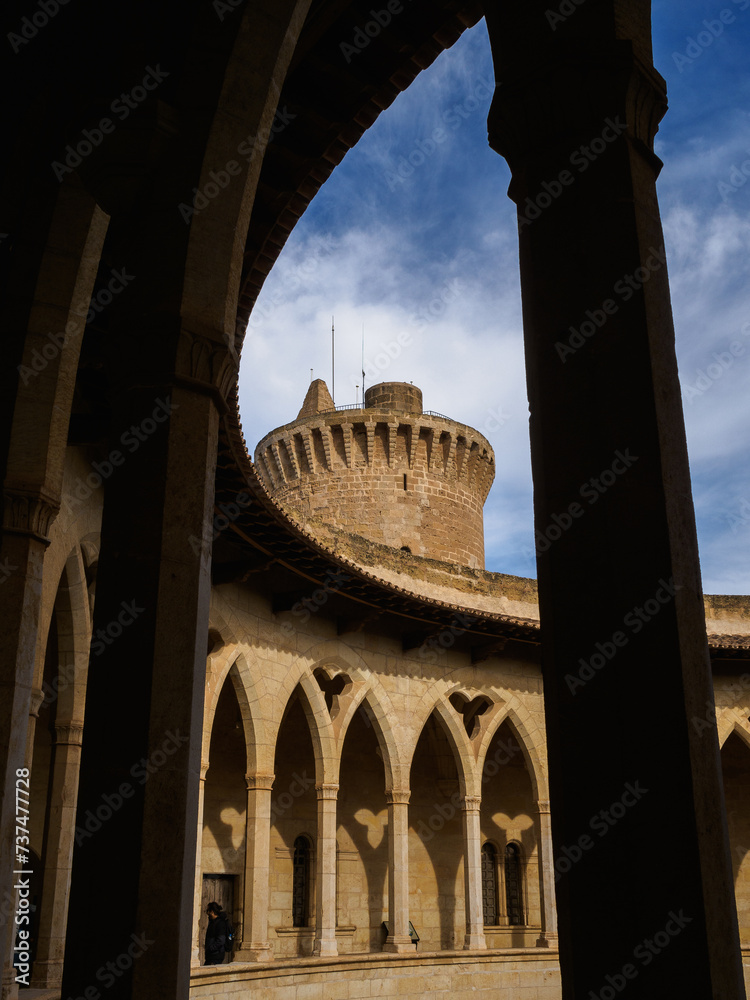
(387, 471)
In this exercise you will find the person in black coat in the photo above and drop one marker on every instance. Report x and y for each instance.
(216, 935)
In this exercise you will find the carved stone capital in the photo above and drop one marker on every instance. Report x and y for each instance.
(206, 364)
(327, 791)
(471, 803)
(30, 514)
(69, 734)
(259, 782)
(542, 115)
(542, 807)
(37, 697)
(397, 796)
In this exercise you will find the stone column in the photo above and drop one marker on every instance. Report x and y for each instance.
(548, 937)
(61, 831)
(196, 954)
(325, 880)
(145, 690)
(623, 625)
(51, 278)
(255, 946)
(26, 522)
(474, 938)
(398, 871)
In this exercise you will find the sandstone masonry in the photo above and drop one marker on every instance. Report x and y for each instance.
(387, 471)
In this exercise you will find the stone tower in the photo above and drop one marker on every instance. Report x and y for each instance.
(387, 471)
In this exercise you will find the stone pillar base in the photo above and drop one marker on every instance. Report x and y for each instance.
(398, 945)
(547, 940)
(325, 948)
(260, 952)
(9, 986)
(475, 942)
(47, 975)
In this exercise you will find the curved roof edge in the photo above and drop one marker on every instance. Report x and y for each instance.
(264, 526)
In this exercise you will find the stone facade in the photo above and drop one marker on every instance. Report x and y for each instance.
(398, 722)
(167, 628)
(515, 974)
(298, 715)
(387, 471)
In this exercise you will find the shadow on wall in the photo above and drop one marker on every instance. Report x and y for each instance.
(362, 837)
(508, 817)
(436, 850)
(225, 795)
(294, 814)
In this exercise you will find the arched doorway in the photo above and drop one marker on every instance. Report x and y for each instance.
(294, 837)
(508, 827)
(362, 840)
(436, 843)
(224, 813)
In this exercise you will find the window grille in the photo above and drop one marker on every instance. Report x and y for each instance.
(300, 882)
(514, 883)
(489, 885)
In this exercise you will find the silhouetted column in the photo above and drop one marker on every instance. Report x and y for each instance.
(398, 871)
(255, 945)
(140, 767)
(58, 235)
(548, 937)
(474, 939)
(325, 882)
(635, 787)
(53, 918)
(26, 523)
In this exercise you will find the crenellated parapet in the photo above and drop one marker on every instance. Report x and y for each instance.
(387, 471)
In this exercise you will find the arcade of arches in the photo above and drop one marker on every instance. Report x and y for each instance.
(343, 778)
(350, 746)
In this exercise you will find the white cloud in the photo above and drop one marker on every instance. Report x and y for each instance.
(432, 274)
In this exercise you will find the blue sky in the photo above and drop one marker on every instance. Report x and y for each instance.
(401, 241)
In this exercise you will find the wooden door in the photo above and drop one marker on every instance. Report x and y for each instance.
(216, 889)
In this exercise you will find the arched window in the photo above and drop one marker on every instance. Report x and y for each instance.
(514, 883)
(489, 885)
(301, 882)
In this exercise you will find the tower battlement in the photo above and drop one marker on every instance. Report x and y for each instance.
(386, 470)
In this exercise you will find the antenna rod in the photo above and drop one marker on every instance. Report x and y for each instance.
(333, 364)
(363, 364)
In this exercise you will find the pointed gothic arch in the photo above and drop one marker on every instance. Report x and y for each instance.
(319, 723)
(55, 739)
(374, 702)
(728, 724)
(530, 738)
